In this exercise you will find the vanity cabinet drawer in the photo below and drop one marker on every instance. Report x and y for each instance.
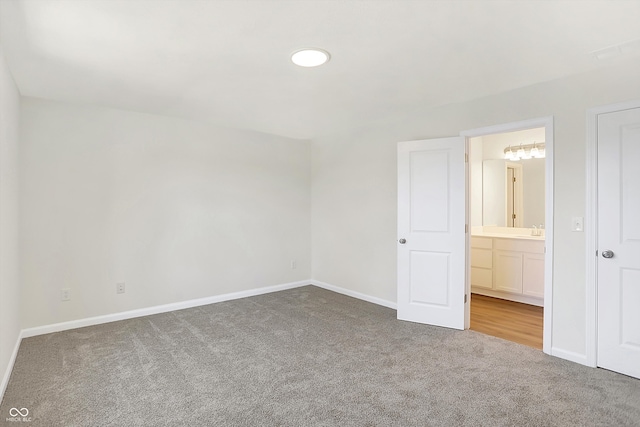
(481, 258)
(481, 242)
(481, 278)
(519, 245)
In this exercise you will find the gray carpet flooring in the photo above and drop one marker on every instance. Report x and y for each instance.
(303, 357)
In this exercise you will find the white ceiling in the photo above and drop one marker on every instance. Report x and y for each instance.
(227, 62)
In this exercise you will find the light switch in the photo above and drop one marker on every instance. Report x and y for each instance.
(577, 223)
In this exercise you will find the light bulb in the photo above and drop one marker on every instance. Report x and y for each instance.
(538, 153)
(521, 153)
(535, 153)
(508, 154)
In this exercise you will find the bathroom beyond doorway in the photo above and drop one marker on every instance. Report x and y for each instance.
(507, 253)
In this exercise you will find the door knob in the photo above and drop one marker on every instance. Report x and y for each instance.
(607, 254)
(402, 241)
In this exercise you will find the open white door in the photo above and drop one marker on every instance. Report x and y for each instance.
(431, 231)
(618, 262)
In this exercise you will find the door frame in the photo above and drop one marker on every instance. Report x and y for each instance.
(518, 199)
(591, 225)
(547, 123)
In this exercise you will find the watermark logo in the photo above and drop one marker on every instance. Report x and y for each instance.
(19, 415)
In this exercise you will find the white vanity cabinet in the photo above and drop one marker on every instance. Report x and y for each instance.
(508, 268)
(533, 274)
(482, 262)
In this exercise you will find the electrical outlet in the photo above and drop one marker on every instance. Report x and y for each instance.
(120, 288)
(294, 264)
(65, 294)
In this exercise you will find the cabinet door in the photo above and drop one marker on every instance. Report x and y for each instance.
(507, 268)
(533, 275)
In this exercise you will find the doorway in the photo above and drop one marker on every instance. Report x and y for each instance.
(507, 240)
(511, 231)
(434, 237)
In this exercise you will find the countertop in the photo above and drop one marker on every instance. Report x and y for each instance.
(508, 236)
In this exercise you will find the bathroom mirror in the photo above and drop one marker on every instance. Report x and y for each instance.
(513, 193)
(492, 201)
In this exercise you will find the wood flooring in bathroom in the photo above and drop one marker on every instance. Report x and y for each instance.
(513, 321)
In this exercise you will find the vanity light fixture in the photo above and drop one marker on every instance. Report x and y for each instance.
(509, 154)
(310, 57)
(525, 151)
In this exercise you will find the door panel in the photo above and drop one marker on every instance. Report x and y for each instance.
(619, 232)
(429, 187)
(630, 177)
(431, 217)
(429, 278)
(629, 313)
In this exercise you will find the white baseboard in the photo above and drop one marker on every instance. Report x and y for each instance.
(354, 294)
(12, 361)
(97, 320)
(525, 299)
(570, 356)
(57, 327)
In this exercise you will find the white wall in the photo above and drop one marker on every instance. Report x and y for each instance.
(9, 278)
(175, 209)
(354, 186)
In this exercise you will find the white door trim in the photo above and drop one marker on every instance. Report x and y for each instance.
(547, 123)
(591, 224)
(517, 195)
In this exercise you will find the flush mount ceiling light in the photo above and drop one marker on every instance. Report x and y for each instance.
(310, 57)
